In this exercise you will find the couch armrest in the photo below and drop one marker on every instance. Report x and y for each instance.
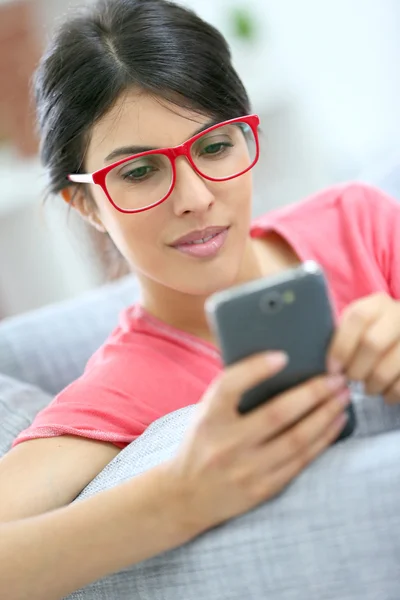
(49, 347)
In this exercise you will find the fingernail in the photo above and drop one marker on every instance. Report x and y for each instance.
(335, 382)
(276, 360)
(334, 366)
(340, 421)
(344, 397)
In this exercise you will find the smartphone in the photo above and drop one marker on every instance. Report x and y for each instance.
(292, 312)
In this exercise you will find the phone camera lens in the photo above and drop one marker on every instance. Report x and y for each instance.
(271, 303)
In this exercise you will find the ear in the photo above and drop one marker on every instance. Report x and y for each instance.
(77, 199)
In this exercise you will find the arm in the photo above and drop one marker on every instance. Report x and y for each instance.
(90, 539)
(42, 474)
(63, 550)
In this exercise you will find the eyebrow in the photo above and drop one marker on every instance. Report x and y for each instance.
(130, 150)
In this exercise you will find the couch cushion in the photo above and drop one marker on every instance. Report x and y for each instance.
(19, 404)
(333, 534)
(49, 347)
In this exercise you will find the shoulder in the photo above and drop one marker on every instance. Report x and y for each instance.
(128, 356)
(143, 356)
(351, 200)
(361, 202)
(340, 215)
(137, 376)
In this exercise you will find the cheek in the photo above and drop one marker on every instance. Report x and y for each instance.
(236, 195)
(136, 236)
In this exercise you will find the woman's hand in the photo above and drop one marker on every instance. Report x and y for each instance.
(366, 346)
(230, 462)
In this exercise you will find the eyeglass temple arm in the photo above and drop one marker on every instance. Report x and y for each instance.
(86, 178)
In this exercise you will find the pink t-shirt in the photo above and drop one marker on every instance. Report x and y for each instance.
(147, 369)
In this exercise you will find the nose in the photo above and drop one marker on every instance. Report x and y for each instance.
(191, 192)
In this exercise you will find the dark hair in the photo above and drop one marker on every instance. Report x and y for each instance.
(155, 45)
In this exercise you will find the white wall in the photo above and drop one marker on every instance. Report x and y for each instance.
(44, 254)
(343, 58)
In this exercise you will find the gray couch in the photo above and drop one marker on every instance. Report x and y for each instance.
(333, 534)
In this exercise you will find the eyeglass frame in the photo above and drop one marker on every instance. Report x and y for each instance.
(99, 177)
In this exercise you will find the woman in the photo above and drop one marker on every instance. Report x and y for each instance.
(147, 131)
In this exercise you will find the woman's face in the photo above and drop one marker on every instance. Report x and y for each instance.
(148, 239)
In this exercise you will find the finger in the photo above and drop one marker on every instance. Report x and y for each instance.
(376, 340)
(272, 483)
(288, 408)
(356, 319)
(227, 389)
(392, 394)
(298, 440)
(385, 373)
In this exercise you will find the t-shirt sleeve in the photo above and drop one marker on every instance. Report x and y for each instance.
(118, 396)
(381, 215)
(87, 410)
(101, 405)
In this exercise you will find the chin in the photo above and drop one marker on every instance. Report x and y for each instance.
(207, 284)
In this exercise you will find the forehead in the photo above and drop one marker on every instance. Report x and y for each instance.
(140, 119)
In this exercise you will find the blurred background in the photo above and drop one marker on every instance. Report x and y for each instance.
(322, 74)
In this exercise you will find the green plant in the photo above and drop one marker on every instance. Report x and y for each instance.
(243, 24)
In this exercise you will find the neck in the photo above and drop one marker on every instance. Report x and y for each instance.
(262, 257)
(183, 311)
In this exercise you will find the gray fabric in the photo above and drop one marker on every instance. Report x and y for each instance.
(49, 347)
(19, 404)
(334, 534)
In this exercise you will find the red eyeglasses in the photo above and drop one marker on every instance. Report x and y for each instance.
(145, 180)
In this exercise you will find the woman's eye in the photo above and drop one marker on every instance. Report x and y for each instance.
(137, 174)
(216, 148)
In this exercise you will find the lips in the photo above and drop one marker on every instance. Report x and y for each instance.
(204, 244)
(198, 237)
